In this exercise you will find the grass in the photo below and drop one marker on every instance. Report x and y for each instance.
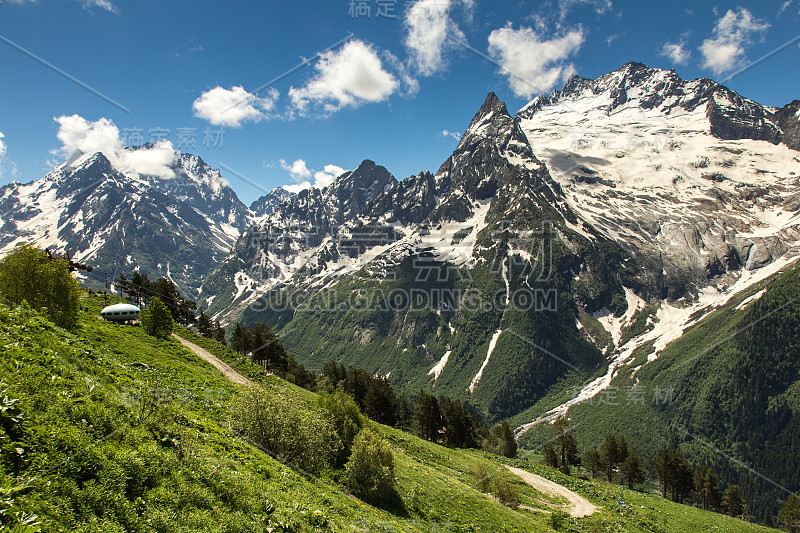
(105, 445)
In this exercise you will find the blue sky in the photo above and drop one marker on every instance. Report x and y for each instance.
(184, 71)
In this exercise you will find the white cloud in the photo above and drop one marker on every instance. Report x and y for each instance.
(79, 136)
(298, 169)
(431, 32)
(234, 106)
(346, 77)
(785, 6)
(725, 49)
(102, 4)
(676, 52)
(323, 178)
(300, 175)
(600, 6)
(454, 134)
(2, 153)
(531, 63)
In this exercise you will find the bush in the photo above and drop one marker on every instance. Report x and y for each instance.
(370, 470)
(480, 475)
(157, 320)
(346, 418)
(505, 491)
(283, 425)
(557, 519)
(27, 274)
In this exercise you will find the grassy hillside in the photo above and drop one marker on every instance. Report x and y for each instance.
(107, 429)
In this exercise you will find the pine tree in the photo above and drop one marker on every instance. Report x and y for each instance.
(567, 446)
(711, 490)
(405, 415)
(428, 416)
(507, 442)
(789, 516)
(631, 469)
(609, 453)
(593, 462)
(240, 340)
(732, 504)
(219, 333)
(380, 402)
(204, 325)
(157, 320)
(550, 456)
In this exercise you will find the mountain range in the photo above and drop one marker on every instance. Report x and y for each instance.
(558, 254)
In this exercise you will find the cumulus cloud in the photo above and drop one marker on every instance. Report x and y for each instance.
(430, 33)
(298, 169)
(454, 134)
(346, 77)
(725, 49)
(232, 107)
(301, 175)
(79, 136)
(531, 63)
(676, 52)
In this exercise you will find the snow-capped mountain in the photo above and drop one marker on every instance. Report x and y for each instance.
(266, 204)
(676, 171)
(634, 190)
(179, 227)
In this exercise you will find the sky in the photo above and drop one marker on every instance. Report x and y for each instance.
(294, 93)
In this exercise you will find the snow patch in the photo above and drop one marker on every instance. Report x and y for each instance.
(436, 371)
(492, 344)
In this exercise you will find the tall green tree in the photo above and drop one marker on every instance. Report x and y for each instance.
(631, 469)
(241, 340)
(405, 415)
(204, 325)
(27, 273)
(565, 441)
(428, 416)
(380, 402)
(219, 334)
(506, 441)
(674, 474)
(732, 503)
(610, 455)
(593, 462)
(789, 515)
(157, 320)
(550, 456)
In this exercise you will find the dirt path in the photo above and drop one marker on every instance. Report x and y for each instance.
(578, 505)
(220, 365)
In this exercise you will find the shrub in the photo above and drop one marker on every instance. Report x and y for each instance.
(283, 425)
(505, 491)
(157, 320)
(480, 475)
(370, 470)
(27, 274)
(343, 412)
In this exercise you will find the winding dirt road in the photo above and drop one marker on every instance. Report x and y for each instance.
(220, 365)
(578, 505)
